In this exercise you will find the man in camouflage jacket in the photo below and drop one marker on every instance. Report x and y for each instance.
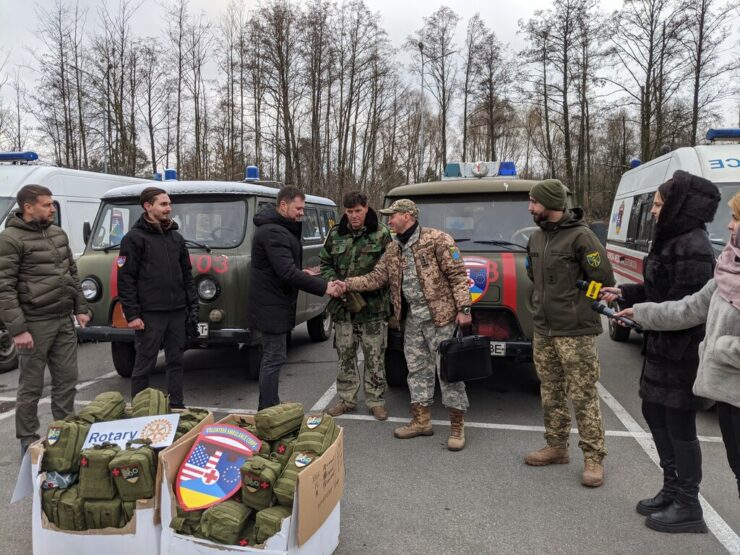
(353, 248)
(427, 277)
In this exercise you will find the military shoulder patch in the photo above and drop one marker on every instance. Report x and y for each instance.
(120, 261)
(455, 253)
(593, 259)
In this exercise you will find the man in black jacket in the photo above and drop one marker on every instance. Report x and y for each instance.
(155, 286)
(275, 279)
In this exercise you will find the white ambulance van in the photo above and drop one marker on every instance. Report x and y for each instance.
(76, 195)
(631, 225)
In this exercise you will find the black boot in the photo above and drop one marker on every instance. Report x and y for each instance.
(685, 513)
(668, 463)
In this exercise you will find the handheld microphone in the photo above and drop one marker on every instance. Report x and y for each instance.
(609, 313)
(592, 289)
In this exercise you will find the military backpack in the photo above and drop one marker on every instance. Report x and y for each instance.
(64, 508)
(284, 489)
(104, 513)
(189, 419)
(278, 421)
(149, 402)
(134, 471)
(63, 444)
(105, 407)
(259, 475)
(95, 476)
(268, 522)
(224, 523)
(317, 433)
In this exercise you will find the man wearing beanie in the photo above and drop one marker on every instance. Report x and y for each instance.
(562, 251)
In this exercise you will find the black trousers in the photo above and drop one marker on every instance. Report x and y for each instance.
(680, 423)
(274, 354)
(729, 424)
(161, 330)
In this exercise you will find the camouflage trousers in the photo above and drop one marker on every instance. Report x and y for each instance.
(568, 367)
(372, 337)
(421, 341)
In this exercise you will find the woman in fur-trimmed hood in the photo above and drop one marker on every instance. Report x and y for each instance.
(680, 262)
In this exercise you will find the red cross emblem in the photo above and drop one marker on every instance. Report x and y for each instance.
(210, 477)
(83, 461)
(115, 472)
(281, 449)
(264, 485)
(243, 542)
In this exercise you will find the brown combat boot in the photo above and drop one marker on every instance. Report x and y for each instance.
(420, 424)
(456, 441)
(379, 413)
(593, 473)
(547, 455)
(339, 409)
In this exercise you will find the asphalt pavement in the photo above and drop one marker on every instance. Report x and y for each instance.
(414, 496)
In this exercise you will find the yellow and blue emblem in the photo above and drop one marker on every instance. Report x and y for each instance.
(593, 259)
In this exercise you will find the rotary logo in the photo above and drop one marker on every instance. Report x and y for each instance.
(157, 430)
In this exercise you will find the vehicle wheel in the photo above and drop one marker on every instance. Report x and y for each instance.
(617, 332)
(124, 355)
(254, 361)
(396, 370)
(319, 327)
(8, 354)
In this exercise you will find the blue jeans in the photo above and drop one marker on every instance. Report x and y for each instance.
(274, 354)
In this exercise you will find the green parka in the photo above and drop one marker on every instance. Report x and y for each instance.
(347, 254)
(38, 275)
(558, 255)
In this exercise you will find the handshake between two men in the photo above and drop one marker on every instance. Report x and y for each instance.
(336, 288)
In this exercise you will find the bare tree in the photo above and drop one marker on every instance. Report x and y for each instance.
(474, 39)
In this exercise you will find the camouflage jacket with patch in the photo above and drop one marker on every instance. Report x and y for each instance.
(346, 254)
(440, 269)
(558, 255)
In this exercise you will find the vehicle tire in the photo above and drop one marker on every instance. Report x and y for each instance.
(319, 327)
(8, 354)
(254, 361)
(396, 371)
(124, 355)
(617, 332)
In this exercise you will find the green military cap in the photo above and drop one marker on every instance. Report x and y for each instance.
(550, 193)
(403, 205)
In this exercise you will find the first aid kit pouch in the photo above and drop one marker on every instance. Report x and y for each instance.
(63, 443)
(278, 421)
(317, 433)
(259, 475)
(268, 522)
(95, 476)
(134, 471)
(225, 522)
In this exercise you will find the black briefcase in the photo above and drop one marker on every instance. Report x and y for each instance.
(464, 358)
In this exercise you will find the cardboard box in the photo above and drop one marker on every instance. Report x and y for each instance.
(140, 535)
(312, 529)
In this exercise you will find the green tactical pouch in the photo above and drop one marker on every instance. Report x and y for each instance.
(268, 522)
(278, 421)
(64, 508)
(259, 475)
(134, 471)
(104, 513)
(317, 433)
(282, 449)
(189, 419)
(63, 444)
(354, 302)
(224, 523)
(149, 402)
(105, 407)
(186, 522)
(95, 476)
(284, 489)
(127, 511)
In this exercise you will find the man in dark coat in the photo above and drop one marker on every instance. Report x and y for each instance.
(275, 278)
(155, 286)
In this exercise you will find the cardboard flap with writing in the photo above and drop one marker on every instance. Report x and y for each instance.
(320, 487)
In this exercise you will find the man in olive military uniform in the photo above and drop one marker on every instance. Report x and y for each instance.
(429, 287)
(352, 248)
(562, 251)
(39, 293)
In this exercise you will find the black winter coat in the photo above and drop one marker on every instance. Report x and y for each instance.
(680, 263)
(154, 271)
(276, 275)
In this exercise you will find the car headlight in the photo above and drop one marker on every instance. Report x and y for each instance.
(208, 289)
(91, 289)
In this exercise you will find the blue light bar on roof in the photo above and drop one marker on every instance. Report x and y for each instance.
(714, 134)
(252, 173)
(18, 156)
(507, 169)
(170, 175)
(157, 176)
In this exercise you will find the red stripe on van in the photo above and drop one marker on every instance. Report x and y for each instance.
(629, 276)
(624, 261)
(509, 270)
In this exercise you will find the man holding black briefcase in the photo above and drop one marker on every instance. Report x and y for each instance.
(426, 276)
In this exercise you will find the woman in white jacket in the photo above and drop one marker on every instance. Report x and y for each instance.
(717, 304)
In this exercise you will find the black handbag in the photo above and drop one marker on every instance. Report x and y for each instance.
(464, 358)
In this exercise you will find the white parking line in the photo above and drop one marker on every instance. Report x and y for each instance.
(323, 401)
(721, 530)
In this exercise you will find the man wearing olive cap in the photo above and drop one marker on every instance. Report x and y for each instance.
(562, 251)
(429, 293)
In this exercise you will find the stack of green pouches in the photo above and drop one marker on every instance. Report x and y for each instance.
(189, 419)
(95, 476)
(265, 447)
(105, 407)
(284, 488)
(317, 434)
(282, 449)
(63, 444)
(259, 475)
(134, 471)
(186, 522)
(268, 522)
(104, 513)
(64, 508)
(224, 522)
(149, 402)
(281, 420)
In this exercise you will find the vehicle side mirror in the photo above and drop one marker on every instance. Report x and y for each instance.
(86, 231)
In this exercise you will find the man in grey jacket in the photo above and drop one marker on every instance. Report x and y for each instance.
(39, 293)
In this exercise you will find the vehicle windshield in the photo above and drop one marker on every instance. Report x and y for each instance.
(214, 223)
(6, 203)
(718, 232)
(480, 222)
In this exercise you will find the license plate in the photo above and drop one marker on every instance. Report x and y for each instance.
(498, 349)
(203, 329)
